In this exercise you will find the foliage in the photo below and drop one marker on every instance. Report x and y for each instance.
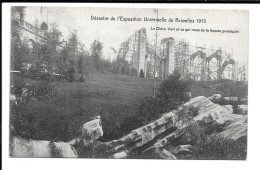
(151, 108)
(122, 66)
(232, 88)
(133, 72)
(96, 54)
(20, 119)
(52, 42)
(171, 95)
(186, 113)
(173, 87)
(73, 44)
(195, 131)
(71, 74)
(216, 147)
(119, 121)
(93, 149)
(20, 9)
(208, 144)
(80, 64)
(141, 73)
(82, 78)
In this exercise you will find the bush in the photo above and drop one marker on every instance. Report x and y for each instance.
(82, 78)
(141, 73)
(186, 113)
(118, 121)
(216, 147)
(231, 88)
(173, 87)
(171, 95)
(71, 74)
(21, 121)
(133, 72)
(93, 149)
(207, 144)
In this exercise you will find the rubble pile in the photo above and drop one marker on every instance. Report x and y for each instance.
(152, 137)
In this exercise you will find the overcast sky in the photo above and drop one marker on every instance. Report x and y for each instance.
(113, 33)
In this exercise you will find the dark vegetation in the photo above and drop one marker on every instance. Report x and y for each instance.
(216, 147)
(119, 121)
(208, 145)
(205, 143)
(224, 87)
(73, 104)
(123, 102)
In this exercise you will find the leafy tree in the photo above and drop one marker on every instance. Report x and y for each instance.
(71, 73)
(53, 39)
(96, 53)
(73, 44)
(20, 10)
(80, 63)
(174, 88)
(20, 119)
(16, 50)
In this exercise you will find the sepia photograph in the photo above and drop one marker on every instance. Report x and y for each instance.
(128, 83)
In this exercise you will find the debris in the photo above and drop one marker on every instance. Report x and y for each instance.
(214, 97)
(181, 148)
(163, 153)
(23, 148)
(120, 155)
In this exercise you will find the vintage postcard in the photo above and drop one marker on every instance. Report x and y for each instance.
(131, 83)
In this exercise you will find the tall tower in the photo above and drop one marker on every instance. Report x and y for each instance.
(43, 18)
(169, 56)
(141, 52)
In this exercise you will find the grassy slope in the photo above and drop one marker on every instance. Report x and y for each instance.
(75, 103)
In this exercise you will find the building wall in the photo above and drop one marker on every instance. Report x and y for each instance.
(27, 31)
(171, 56)
(135, 50)
(142, 50)
(167, 62)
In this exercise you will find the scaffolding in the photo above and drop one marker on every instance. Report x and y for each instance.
(191, 61)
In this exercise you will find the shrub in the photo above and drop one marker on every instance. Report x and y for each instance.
(141, 73)
(186, 114)
(21, 121)
(231, 88)
(193, 111)
(171, 95)
(82, 78)
(118, 121)
(71, 74)
(173, 87)
(18, 84)
(133, 72)
(207, 144)
(195, 131)
(216, 147)
(93, 149)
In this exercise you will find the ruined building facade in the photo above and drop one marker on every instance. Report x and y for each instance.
(134, 50)
(166, 63)
(198, 63)
(28, 33)
(141, 54)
